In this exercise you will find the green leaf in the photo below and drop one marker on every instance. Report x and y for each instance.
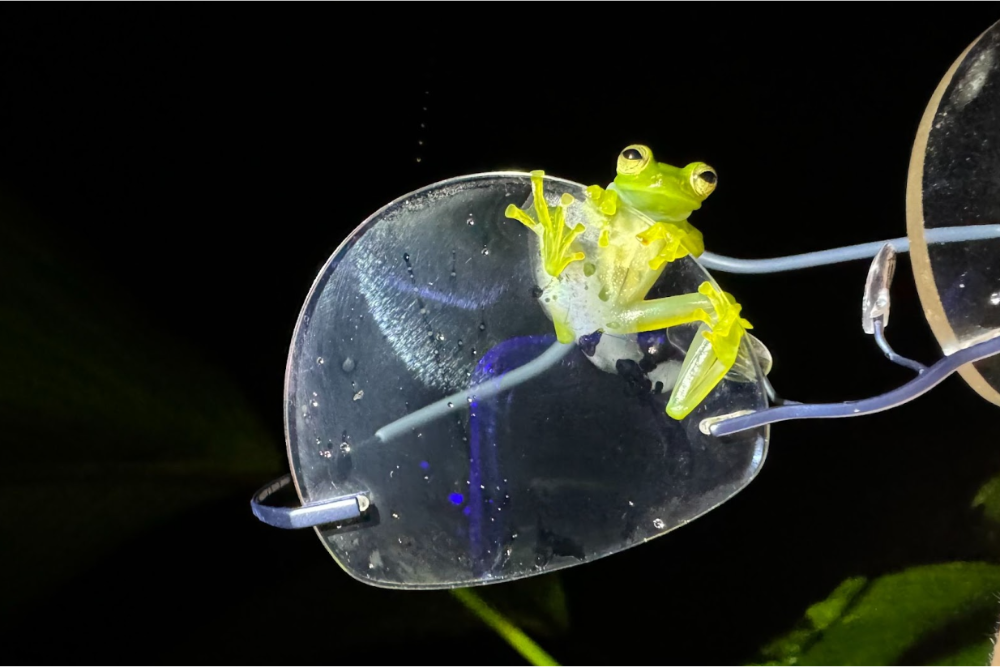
(823, 614)
(537, 604)
(988, 498)
(920, 612)
(512, 634)
(977, 653)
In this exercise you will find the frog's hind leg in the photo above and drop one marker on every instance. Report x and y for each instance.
(712, 353)
(715, 347)
(701, 371)
(662, 313)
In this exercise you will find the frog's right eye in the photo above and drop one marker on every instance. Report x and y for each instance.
(703, 179)
(634, 159)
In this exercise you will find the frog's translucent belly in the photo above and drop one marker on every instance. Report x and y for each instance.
(595, 294)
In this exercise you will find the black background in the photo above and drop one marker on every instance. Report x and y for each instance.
(205, 161)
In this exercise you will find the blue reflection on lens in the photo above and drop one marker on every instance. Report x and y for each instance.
(456, 498)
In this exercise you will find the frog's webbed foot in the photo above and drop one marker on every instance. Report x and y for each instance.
(606, 202)
(550, 225)
(712, 353)
(678, 240)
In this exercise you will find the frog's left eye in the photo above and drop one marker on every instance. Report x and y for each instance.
(634, 159)
(703, 180)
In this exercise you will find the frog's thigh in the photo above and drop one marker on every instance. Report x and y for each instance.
(699, 375)
(662, 313)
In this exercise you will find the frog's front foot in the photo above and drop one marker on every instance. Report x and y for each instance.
(550, 225)
(712, 353)
(728, 327)
(674, 242)
(606, 202)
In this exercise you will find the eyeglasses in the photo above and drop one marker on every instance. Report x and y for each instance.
(440, 434)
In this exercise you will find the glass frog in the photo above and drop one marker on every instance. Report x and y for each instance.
(597, 260)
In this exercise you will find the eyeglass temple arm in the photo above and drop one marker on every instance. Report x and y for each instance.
(807, 260)
(930, 378)
(874, 320)
(335, 510)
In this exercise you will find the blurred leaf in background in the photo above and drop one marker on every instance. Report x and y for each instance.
(542, 595)
(988, 498)
(122, 452)
(107, 426)
(932, 614)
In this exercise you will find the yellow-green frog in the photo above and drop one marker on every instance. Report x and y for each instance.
(597, 260)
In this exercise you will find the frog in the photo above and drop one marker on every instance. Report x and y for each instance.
(596, 260)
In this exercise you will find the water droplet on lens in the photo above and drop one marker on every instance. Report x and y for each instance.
(482, 326)
(315, 404)
(450, 404)
(995, 298)
(486, 250)
(358, 396)
(319, 360)
(326, 453)
(348, 365)
(406, 257)
(345, 447)
(658, 524)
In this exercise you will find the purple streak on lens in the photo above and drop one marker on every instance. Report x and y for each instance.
(485, 478)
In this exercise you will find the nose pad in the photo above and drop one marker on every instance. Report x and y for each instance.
(875, 303)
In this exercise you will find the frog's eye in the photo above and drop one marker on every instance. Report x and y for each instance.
(634, 159)
(703, 180)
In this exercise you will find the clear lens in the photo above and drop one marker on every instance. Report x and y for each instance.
(955, 181)
(435, 294)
